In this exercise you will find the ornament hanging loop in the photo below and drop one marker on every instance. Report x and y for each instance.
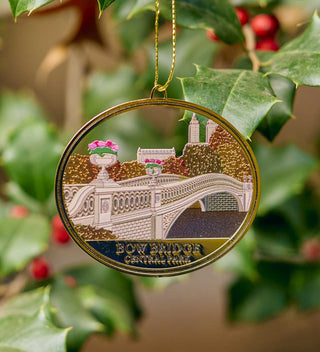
(157, 88)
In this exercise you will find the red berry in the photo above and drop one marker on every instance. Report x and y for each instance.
(70, 281)
(267, 44)
(311, 249)
(243, 16)
(19, 211)
(59, 233)
(40, 269)
(264, 25)
(211, 35)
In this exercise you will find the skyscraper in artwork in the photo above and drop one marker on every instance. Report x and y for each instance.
(194, 133)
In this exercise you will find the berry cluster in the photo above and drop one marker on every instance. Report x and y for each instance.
(264, 26)
(40, 267)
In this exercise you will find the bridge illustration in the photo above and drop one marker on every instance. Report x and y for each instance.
(142, 208)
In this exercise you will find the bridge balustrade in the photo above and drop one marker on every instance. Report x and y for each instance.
(70, 191)
(145, 180)
(130, 201)
(185, 188)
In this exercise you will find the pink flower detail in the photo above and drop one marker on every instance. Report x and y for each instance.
(162, 162)
(101, 144)
(114, 147)
(147, 161)
(152, 161)
(158, 162)
(93, 145)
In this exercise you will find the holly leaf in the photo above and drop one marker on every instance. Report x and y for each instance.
(160, 283)
(281, 232)
(31, 158)
(112, 281)
(26, 303)
(284, 88)
(219, 15)
(284, 172)
(141, 6)
(24, 333)
(103, 4)
(240, 260)
(242, 97)
(21, 240)
(254, 3)
(108, 89)
(108, 309)
(306, 287)
(102, 300)
(71, 312)
(122, 9)
(281, 112)
(10, 349)
(275, 236)
(299, 59)
(15, 109)
(135, 30)
(18, 7)
(255, 301)
(303, 212)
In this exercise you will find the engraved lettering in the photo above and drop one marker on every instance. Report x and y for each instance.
(187, 248)
(177, 248)
(130, 248)
(141, 248)
(153, 248)
(158, 253)
(120, 248)
(197, 248)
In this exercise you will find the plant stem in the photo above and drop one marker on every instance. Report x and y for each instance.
(13, 288)
(251, 47)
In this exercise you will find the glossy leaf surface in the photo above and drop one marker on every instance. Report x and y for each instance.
(242, 97)
(21, 240)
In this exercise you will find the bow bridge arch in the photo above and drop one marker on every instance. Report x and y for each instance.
(140, 209)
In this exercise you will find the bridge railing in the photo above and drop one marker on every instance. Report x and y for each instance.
(69, 191)
(187, 187)
(82, 202)
(145, 180)
(131, 200)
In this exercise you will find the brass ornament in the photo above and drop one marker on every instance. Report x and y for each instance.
(162, 214)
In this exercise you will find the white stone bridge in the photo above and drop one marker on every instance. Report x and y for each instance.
(136, 208)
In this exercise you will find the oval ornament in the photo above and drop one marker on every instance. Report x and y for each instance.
(169, 211)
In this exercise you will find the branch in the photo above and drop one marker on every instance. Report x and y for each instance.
(13, 288)
(251, 47)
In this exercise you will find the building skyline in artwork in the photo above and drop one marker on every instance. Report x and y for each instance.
(157, 153)
(194, 130)
(193, 138)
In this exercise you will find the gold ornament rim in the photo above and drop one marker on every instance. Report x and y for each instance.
(158, 272)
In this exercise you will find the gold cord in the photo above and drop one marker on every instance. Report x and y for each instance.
(157, 86)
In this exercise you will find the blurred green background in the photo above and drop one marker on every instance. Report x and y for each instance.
(60, 67)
